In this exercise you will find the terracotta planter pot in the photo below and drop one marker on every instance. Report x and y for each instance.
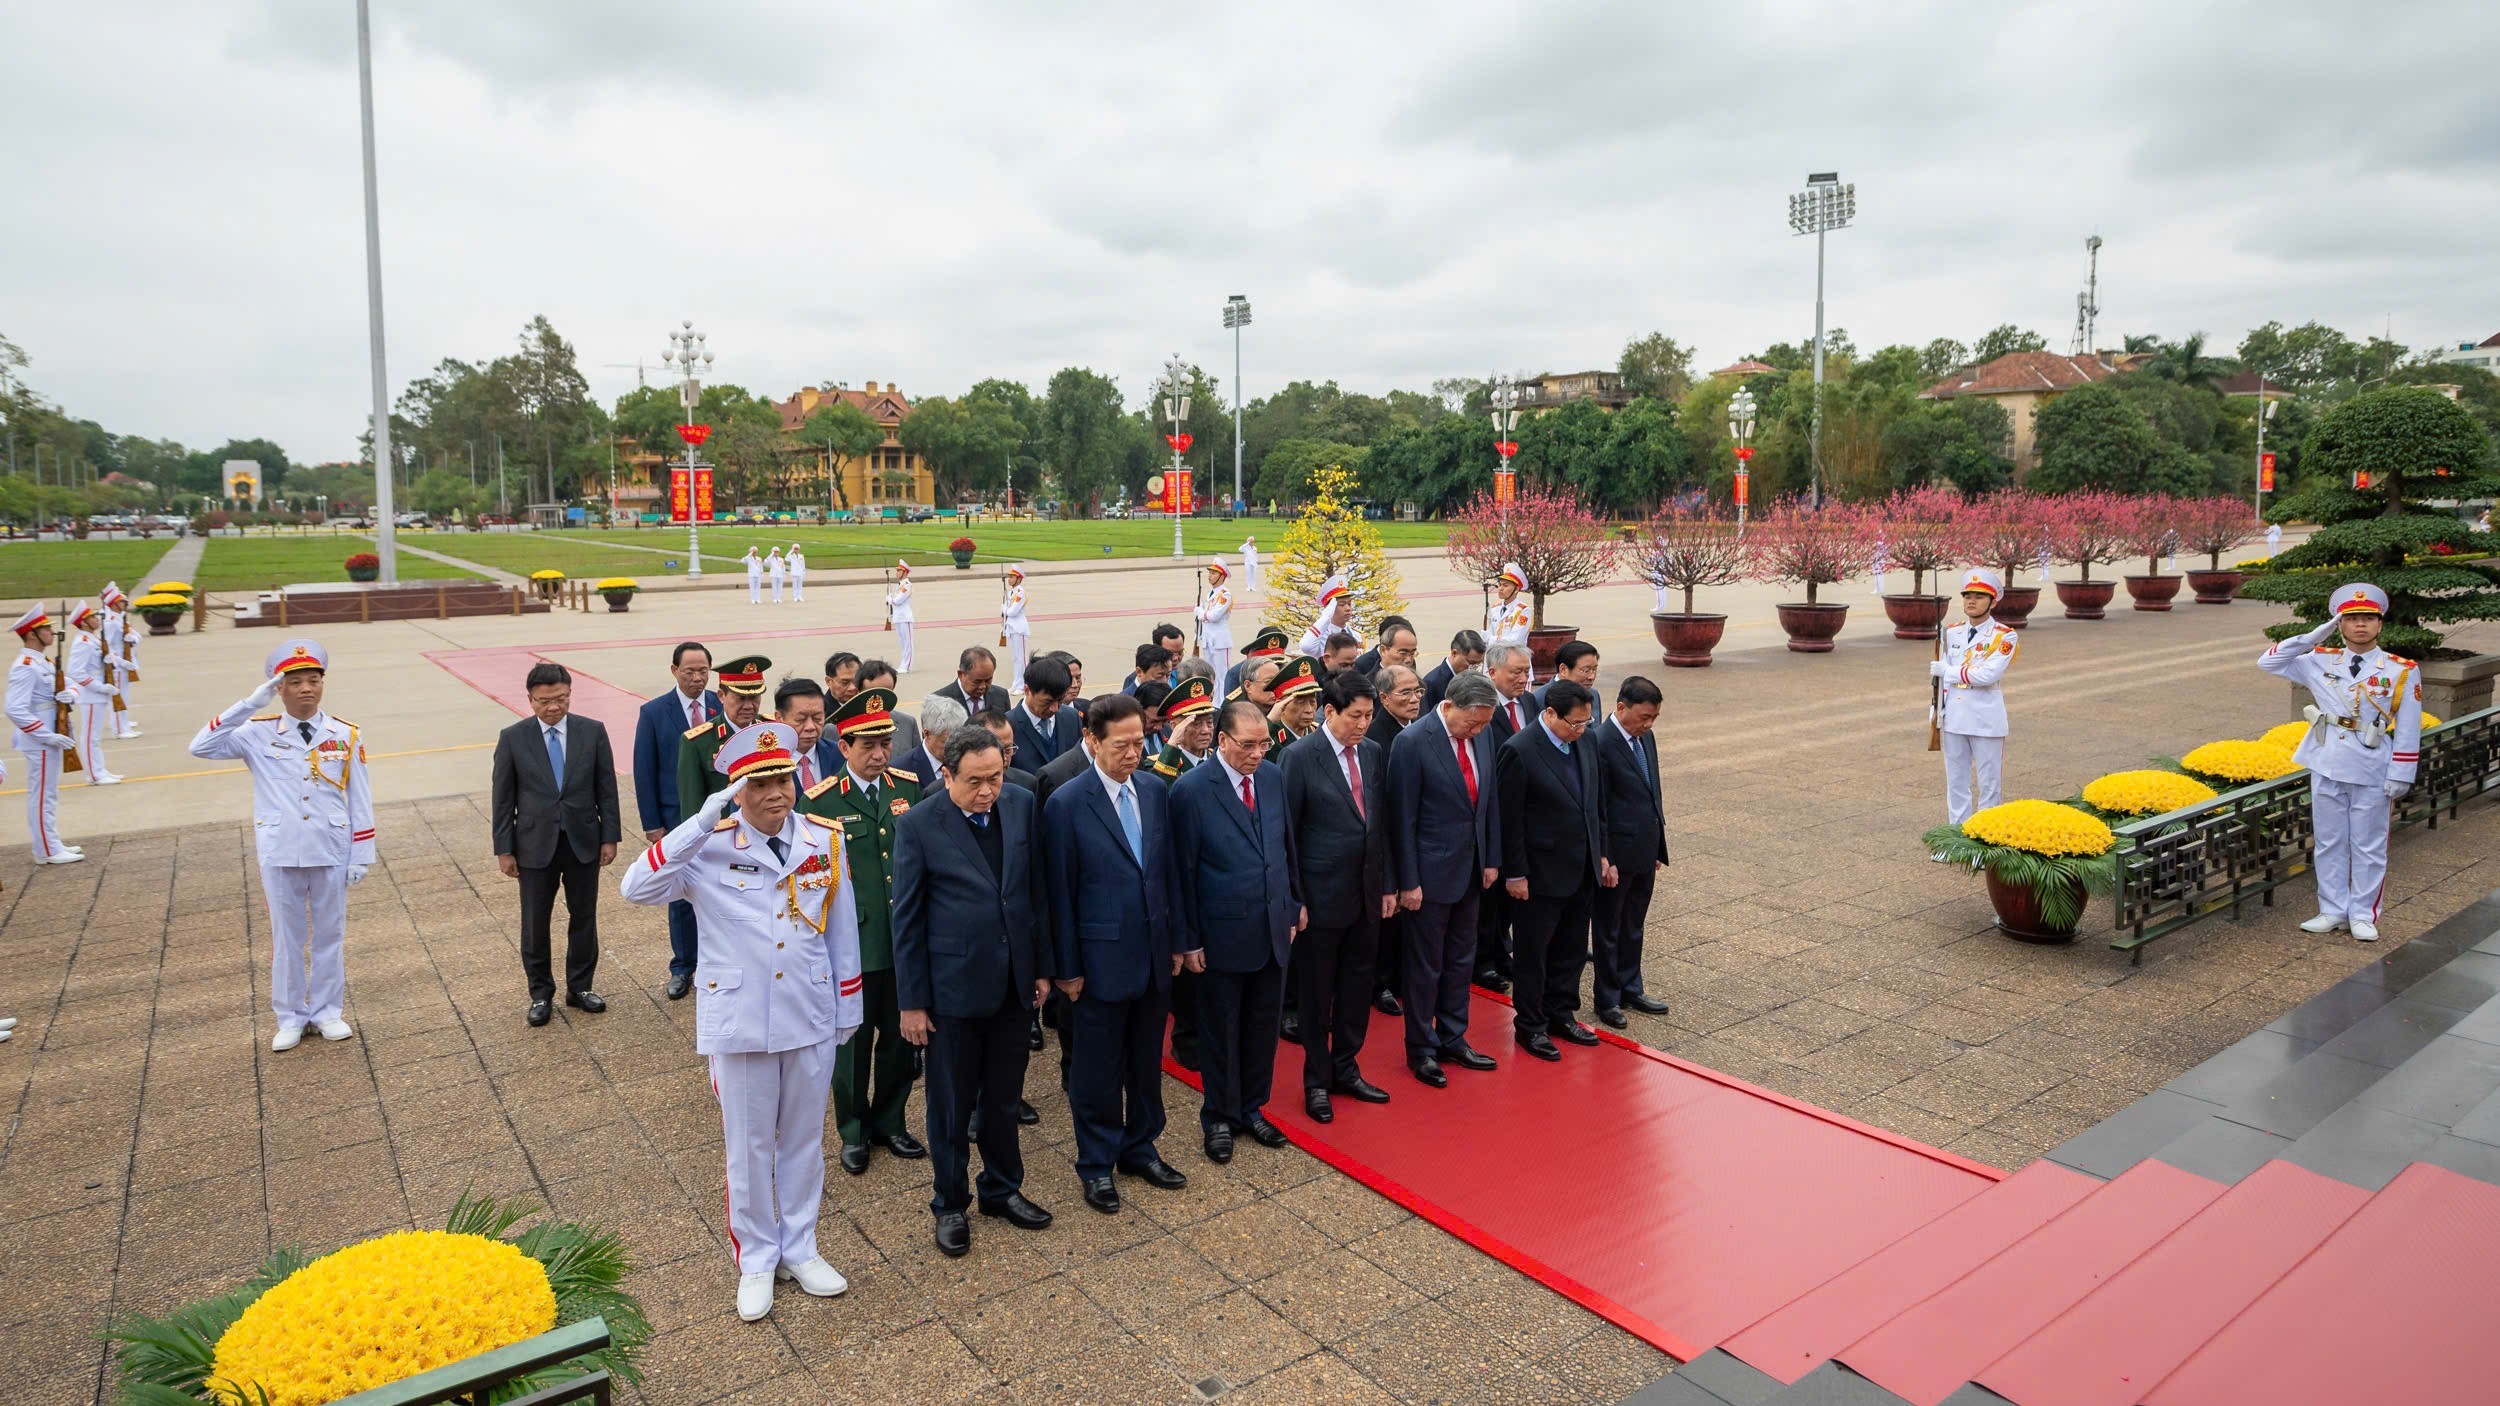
(1543, 640)
(1687, 639)
(1811, 627)
(2152, 592)
(2018, 913)
(2013, 609)
(2085, 600)
(2216, 587)
(618, 601)
(1914, 617)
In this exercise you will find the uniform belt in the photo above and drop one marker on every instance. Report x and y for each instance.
(2348, 724)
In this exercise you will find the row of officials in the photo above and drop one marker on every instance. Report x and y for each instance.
(855, 918)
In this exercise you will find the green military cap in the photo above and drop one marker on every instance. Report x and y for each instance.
(1189, 698)
(1267, 641)
(1297, 678)
(745, 674)
(869, 713)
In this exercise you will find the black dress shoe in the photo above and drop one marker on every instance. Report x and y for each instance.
(1219, 1144)
(679, 983)
(1613, 1016)
(1289, 1029)
(1491, 980)
(1540, 1046)
(1387, 1003)
(1185, 1055)
(1102, 1195)
(1159, 1174)
(1315, 1103)
(1646, 1004)
(1362, 1090)
(1017, 1211)
(1573, 1031)
(1469, 1057)
(1263, 1132)
(590, 1001)
(954, 1234)
(903, 1145)
(855, 1158)
(541, 1012)
(1428, 1071)
(1025, 1113)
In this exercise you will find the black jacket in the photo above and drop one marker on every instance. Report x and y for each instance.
(1553, 834)
(1071, 764)
(964, 942)
(1436, 683)
(1443, 844)
(1385, 729)
(1034, 750)
(1343, 855)
(995, 701)
(1636, 821)
(531, 809)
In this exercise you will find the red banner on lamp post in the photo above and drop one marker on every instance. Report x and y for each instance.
(1505, 486)
(680, 494)
(694, 434)
(1189, 494)
(703, 493)
(2265, 472)
(1743, 494)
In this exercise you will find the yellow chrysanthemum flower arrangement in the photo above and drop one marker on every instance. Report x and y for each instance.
(380, 1311)
(2235, 762)
(2285, 735)
(171, 588)
(2429, 721)
(619, 583)
(161, 600)
(2039, 827)
(2056, 851)
(2137, 793)
(546, 573)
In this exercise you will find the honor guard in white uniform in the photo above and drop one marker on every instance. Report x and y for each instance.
(91, 678)
(1018, 630)
(312, 820)
(755, 578)
(1507, 621)
(34, 690)
(121, 656)
(774, 569)
(1336, 616)
(1250, 566)
(898, 609)
(777, 991)
(796, 564)
(1215, 619)
(1970, 699)
(2363, 747)
(2274, 537)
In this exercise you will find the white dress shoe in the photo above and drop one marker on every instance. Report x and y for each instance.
(816, 1277)
(105, 780)
(755, 1296)
(8, 1022)
(62, 856)
(287, 1038)
(2324, 922)
(134, 732)
(2364, 931)
(334, 1029)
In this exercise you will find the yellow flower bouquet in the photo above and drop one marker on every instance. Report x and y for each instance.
(2131, 795)
(2039, 856)
(170, 588)
(308, 1331)
(2234, 762)
(546, 573)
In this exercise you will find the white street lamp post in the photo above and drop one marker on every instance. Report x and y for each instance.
(687, 352)
(385, 534)
(1505, 400)
(1176, 410)
(1236, 317)
(1823, 206)
(1740, 416)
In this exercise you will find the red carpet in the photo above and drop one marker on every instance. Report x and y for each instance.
(1675, 1202)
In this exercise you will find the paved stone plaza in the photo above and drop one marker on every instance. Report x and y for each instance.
(156, 1149)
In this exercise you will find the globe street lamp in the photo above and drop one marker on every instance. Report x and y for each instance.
(1236, 317)
(687, 352)
(1505, 400)
(1176, 410)
(1740, 412)
(1823, 206)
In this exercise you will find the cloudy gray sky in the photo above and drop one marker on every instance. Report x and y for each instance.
(932, 193)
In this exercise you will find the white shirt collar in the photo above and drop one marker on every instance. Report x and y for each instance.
(1111, 786)
(1236, 777)
(1624, 732)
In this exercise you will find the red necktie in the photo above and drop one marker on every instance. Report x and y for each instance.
(1246, 798)
(1511, 710)
(807, 771)
(694, 710)
(1354, 778)
(1466, 768)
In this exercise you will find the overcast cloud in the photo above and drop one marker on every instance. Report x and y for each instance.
(934, 193)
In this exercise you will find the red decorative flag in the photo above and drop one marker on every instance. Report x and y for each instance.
(694, 434)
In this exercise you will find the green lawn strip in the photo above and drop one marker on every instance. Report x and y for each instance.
(254, 563)
(587, 558)
(830, 547)
(39, 570)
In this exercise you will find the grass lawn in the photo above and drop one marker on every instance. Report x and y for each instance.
(255, 563)
(592, 555)
(828, 547)
(40, 570)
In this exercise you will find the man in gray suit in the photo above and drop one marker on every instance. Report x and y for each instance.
(556, 825)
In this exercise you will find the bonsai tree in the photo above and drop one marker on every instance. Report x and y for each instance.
(1558, 542)
(1798, 544)
(2212, 526)
(1329, 537)
(2089, 529)
(1925, 530)
(1687, 548)
(2153, 524)
(2406, 444)
(2012, 529)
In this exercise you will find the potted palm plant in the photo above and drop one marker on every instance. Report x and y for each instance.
(1800, 545)
(2091, 529)
(2153, 533)
(2043, 862)
(1924, 530)
(1685, 549)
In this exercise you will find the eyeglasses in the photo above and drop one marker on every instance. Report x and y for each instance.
(1580, 724)
(1259, 744)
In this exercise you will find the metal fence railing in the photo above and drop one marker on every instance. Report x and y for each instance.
(473, 1381)
(2195, 862)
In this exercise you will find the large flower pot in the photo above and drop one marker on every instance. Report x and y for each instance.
(1687, 639)
(1914, 617)
(2085, 600)
(963, 560)
(2013, 609)
(1811, 627)
(1543, 641)
(2152, 592)
(161, 622)
(364, 573)
(2216, 587)
(618, 601)
(2018, 913)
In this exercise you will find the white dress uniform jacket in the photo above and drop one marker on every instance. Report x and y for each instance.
(30, 705)
(90, 675)
(121, 661)
(796, 565)
(898, 601)
(1975, 660)
(1215, 633)
(2367, 738)
(312, 805)
(1507, 621)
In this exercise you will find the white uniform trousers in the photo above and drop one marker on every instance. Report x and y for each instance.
(95, 723)
(307, 941)
(1220, 655)
(775, 573)
(43, 801)
(1019, 654)
(755, 586)
(902, 646)
(798, 586)
(772, 1118)
(1969, 761)
(2351, 819)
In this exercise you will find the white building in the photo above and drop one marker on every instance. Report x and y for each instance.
(2485, 354)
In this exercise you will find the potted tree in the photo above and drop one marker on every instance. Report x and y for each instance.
(1558, 543)
(961, 550)
(1686, 549)
(618, 592)
(1924, 530)
(2092, 529)
(2012, 529)
(2153, 533)
(2043, 861)
(364, 566)
(2396, 447)
(2208, 527)
(1803, 546)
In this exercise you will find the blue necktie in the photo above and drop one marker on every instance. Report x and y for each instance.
(1129, 826)
(555, 750)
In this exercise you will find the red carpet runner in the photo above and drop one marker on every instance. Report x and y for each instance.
(1675, 1202)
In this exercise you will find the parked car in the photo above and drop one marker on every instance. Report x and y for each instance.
(412, 520)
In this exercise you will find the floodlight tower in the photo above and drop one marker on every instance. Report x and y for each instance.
(1823, 206)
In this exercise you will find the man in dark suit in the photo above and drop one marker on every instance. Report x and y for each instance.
(877, 673)
(1576, 661)
(1553, 859)
(974, 668)
(969, 970)
(1107, 856)
(1337, 803)
(1045, 727)
(659, 725)
(1466, 652)
(801, 704)
(1507, 665)
(556, 825)
(1006, 735)
(1399, 699)
(1446, 814)
(1240, 908)
(1396, 645)
(939, 717)
(1636, 844)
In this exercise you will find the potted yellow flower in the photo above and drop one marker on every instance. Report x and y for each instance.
(618, 591)
(545, 582)
(163, 610)
(2236, 762)
(2042, 860)
(2122, 796)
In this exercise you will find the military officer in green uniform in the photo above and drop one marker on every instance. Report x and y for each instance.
(741, 702)
(873, 1072)
(1268, 643)
(1295, 711)
(1190, 713)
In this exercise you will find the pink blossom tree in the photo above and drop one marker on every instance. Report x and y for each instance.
(2093, 529)
(2212, 526)
(1687, 548)
(2153, 527)
(1559, 543)
(1798, 544)
(1925, 530)
(2013, 528)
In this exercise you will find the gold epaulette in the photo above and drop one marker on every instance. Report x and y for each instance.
(697, 730)
(2328, 649)
(1160, 767)
(726, 822)
(907, 776)
(821, 787)
(833, 825)
(265, 717)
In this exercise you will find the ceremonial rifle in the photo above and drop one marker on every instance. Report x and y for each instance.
(1198, 620)
(1935, 697)
(60, 685)
(1002, 611)
(119, 676)
(888, 574)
